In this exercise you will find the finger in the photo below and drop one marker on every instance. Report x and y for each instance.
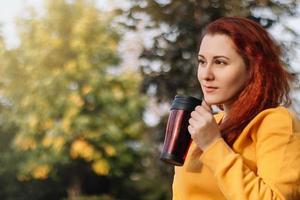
(203, 112)
(191, 130)
(193, 122)
(204, 115)
(196, 114)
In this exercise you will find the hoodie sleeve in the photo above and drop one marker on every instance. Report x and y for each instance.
(277, 140)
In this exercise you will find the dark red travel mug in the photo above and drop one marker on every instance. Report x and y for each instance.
(177, 138)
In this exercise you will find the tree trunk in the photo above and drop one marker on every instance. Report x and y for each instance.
(74, 189)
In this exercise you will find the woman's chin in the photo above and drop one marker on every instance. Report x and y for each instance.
(212, 101)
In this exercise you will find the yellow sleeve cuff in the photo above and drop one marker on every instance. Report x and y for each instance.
(216, 153)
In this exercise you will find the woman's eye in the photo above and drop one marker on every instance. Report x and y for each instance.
(201, 62)
(220, 62)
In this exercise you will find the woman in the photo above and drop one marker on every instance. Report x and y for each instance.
(250, 150)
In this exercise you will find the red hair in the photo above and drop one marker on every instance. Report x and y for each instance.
(268, 85)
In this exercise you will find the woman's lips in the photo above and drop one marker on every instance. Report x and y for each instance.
(209, 89)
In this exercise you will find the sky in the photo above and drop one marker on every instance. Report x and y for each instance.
(10, 9)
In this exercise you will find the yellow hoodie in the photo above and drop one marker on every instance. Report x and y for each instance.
(263, 164)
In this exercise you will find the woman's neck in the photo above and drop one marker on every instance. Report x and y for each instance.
(227, 108)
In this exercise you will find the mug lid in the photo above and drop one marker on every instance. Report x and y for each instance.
(182, 102)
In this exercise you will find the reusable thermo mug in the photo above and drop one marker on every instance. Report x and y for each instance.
(177, 138)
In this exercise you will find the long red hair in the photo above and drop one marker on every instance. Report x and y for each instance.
(268, 85)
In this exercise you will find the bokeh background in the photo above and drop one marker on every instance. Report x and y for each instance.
(86, 86)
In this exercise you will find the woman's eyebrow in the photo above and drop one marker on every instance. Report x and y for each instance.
(216, 57)
(200, 56)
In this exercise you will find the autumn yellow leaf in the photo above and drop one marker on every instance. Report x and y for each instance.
(76, 99)
(59, 143)
(81, 148)
(66, 123)
(23, 178)
(86, 89)
(101, 167)
(109, 149)
(55, 142)
(48, 124)
(47, 141)
(70, 66)
(25, 143)
(41, 171)
(32, 121)
(118, 93)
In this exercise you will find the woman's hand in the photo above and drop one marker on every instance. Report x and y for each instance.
(203, 127)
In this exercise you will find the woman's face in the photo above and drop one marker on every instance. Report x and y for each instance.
(222, 72)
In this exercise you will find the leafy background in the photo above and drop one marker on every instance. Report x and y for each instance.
(81, 118)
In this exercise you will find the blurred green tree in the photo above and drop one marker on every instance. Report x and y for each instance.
(76, 117)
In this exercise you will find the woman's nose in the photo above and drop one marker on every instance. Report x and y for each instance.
(206, 72)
